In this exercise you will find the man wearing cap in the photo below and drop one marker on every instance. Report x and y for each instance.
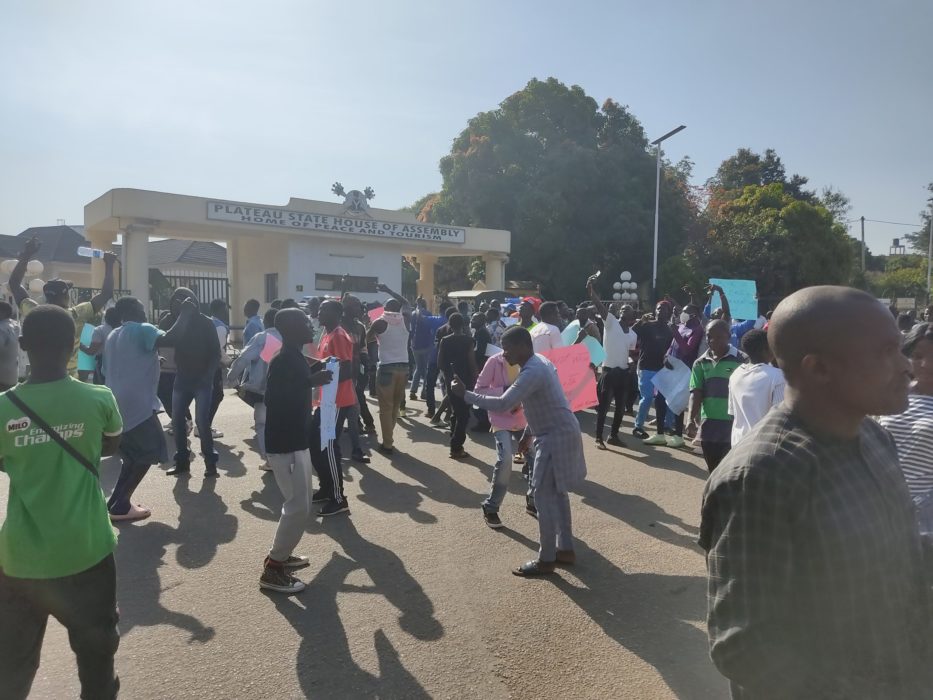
(57, 293)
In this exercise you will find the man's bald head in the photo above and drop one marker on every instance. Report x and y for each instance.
(841, 344)
(820, 320)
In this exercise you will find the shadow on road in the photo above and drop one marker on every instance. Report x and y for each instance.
(438, 484)
(139, 558)
(390, 496)
(325, 665)
(203, 523)
(642, 514)
(649, 614)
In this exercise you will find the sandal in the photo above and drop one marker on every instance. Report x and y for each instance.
(535, 567)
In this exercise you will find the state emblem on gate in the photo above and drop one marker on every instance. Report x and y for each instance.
(356, 202)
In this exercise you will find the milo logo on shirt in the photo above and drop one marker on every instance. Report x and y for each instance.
(37, 436)
(17, 424)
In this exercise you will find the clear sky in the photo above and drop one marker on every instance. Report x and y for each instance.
(260, 101)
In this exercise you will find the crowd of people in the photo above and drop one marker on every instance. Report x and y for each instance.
(815, 423)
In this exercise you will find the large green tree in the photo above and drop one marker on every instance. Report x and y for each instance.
(920, 240)
(769, 235)
(573, 182)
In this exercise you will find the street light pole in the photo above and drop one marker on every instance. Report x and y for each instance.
(930, 262)
(657, 207)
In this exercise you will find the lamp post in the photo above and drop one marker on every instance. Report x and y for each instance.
(657, 204)
(930, 262)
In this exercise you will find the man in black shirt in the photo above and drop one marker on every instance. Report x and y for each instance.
(197, 359)
(654, 339)
(288, 430)
(455, 358)
(481, 340)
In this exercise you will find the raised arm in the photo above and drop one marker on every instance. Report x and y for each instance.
(16, 277)
(594, 297)
(726, 311)
(188, 310)
(398, 297)
(106, 290)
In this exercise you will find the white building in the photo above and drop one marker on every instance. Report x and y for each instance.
(301, 248)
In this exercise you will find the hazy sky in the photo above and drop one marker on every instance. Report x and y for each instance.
(260, 101)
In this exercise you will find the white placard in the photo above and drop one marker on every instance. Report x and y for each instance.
(297, 220)
(492, 350)
(329, 404)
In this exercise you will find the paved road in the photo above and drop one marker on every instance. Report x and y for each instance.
(411, 596)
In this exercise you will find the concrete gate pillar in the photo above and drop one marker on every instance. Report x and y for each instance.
(136, 274)
(426, 265)
(233, 278)
(495, 270)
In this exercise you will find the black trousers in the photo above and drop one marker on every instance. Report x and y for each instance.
(360, 384)
(459, 421)
(430, 384)
(714, 453)
(613, 386)
(85, 604)
(164, 391)
(326, 462)
(218, 394)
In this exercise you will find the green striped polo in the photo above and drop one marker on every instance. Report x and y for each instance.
(711, 377)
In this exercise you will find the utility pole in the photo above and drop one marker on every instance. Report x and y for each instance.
(863, 244)
(930, 261)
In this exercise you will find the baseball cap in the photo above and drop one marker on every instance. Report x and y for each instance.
(57, 287)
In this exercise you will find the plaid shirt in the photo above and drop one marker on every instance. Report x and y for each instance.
(817, 579)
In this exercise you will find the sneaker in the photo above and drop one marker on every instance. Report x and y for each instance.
(275, 578)
(459, 454)
(675, 441)
(640, 433)
(385, 449)
(492, 519)
(358, 456)
(600, 445)
(334, 507)
(531, 510)
(429, 415)
(211, 471)
(615, 440)
(319, 497)
(214, 433)
(413, 397)
(179, 470)
(656, 440)
(294, 562)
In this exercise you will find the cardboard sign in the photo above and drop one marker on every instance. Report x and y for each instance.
(576, 378)
(270, 348)
(742, 296)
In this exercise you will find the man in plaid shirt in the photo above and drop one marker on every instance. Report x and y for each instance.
(818, 582)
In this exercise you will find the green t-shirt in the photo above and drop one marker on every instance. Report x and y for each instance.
(56, 519)
(81, 313)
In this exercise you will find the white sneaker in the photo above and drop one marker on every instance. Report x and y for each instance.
(214, 433)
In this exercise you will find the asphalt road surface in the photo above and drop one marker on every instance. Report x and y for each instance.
(411, 596)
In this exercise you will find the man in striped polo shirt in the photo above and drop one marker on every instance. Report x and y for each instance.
(709, 394)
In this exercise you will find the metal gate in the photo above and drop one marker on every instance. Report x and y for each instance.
(205, 288)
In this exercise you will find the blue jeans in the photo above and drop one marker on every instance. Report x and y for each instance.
(499, 484)
(421, 369)
(201, 391)
(646, 389)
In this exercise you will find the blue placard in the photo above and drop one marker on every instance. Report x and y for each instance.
(742, 296)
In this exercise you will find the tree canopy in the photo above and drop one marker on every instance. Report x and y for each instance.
(572, 181)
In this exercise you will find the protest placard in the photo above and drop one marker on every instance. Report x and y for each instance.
(576, 378)
(742, 296)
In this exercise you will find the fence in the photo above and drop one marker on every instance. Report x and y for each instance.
(205, 288)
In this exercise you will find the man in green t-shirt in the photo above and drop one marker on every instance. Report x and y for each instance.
(56, 544)
(58, 293)
(709, 394)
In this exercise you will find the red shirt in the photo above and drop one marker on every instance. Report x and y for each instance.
(338, 344)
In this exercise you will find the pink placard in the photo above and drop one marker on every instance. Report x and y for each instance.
(576, 377)
(375, 314)
(270, 348)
